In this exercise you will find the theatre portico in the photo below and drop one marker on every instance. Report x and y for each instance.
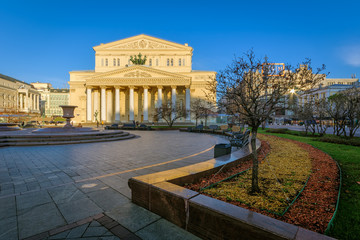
(119, 91)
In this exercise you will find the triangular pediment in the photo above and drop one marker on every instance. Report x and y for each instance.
(138, 71)
(142, 42)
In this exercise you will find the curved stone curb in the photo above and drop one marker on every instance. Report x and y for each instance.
(207, 217)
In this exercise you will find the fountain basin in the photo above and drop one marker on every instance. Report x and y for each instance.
(9, 127)
(64, 130)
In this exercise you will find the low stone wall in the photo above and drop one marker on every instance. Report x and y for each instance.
(207, 217)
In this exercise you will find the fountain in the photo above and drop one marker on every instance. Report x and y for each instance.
(68, 113)
(9, 127)
(60, 135)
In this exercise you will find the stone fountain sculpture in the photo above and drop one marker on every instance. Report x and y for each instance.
(68, 113)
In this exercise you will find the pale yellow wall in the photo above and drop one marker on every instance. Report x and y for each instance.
(122, 50)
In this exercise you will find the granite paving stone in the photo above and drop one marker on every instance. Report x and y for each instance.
(108, 199)
(60, 184)
(29, 200)
(8, 228)
(39, 219)
(78, 209)
(7, 207)
(132, 216)
(164, 230)
(66, 193)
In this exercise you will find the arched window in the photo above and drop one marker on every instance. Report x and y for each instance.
(150, 62)
(172, 62)
(179, 61)
(106, 62)
(114, 62)
(168, 62)
(118, 61)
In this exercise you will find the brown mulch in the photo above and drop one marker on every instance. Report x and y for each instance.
(315, 206)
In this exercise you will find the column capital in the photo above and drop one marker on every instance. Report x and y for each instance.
(160, 87)
(146, 87)
(187, 86)
(173, 86)
(131, 87)
(117, 87)
(102, 87)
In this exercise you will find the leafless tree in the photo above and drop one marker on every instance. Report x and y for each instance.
(169, 113)
(353, 110)
(255, 87)
(336, 108)
(196, 109)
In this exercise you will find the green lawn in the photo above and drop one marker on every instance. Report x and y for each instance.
(347, 221)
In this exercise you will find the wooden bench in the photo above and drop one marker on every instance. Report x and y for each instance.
(240, 140)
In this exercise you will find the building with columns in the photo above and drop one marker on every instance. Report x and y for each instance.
(121, 92)
(18, 97)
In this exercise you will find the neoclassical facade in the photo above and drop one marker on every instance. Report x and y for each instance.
(18, 97)
(117, 91)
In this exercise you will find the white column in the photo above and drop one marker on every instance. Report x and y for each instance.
(21, 102)
(187, 103)
(37, 102)
(131, 103)
(103, 104)
(159, 101)
(173, 101)
(145, 110)
(117, 104)
(33, 100)
(88, 105)
(109, 106)
(26, 99)
(96, 103)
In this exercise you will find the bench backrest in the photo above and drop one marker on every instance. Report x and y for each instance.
(224, 127)
(236, 129)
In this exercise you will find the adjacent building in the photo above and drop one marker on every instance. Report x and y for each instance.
(52, 99)
(121, 92)
(18, 97)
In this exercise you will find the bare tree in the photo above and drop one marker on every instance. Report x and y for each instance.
(255, 87)
(196, 109)
(336, 108)
(169, 113)
(353, 110)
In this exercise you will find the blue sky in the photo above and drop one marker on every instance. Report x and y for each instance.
(44, 40)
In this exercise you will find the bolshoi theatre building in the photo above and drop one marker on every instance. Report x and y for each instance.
(121, 92)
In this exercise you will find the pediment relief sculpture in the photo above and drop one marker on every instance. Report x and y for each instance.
(143, 44)
(137, 74)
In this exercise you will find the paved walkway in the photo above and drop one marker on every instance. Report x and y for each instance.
(80, 191)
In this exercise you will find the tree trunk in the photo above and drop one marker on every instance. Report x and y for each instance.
(255, 171)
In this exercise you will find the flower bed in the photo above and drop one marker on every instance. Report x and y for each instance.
(282, 175)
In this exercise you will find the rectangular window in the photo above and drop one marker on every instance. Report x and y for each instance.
(179, 61)
(106, 62)
(114, 62)
(118, 61)
(157, 62)
(168, 62)
(172, 62)
(183, 61)
(150, 62)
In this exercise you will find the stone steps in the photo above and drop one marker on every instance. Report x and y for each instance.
(41, 139)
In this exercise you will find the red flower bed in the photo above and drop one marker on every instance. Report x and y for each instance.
(315, 206)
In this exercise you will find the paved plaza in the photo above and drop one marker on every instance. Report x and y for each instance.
(80, 191)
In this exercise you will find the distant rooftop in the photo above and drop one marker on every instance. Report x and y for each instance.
(12, 79)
